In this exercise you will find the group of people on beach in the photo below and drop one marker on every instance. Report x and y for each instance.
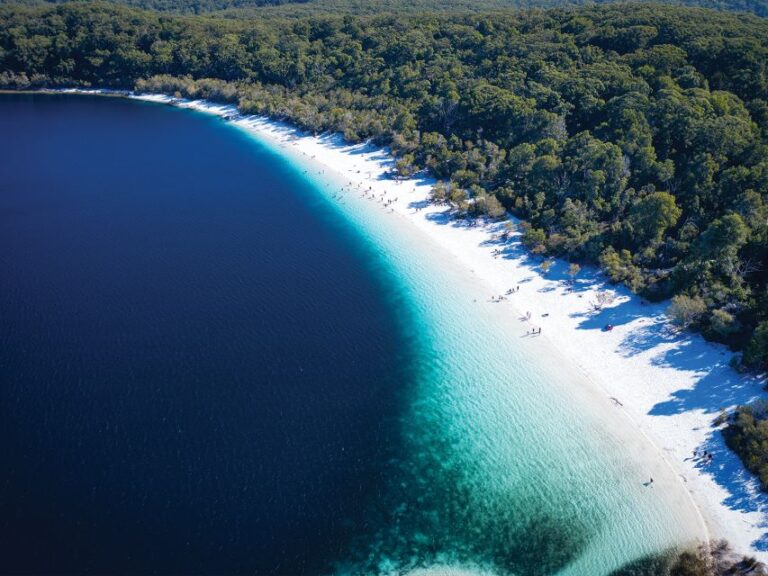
(535, 330)
(705, 456)
(381, 198)
(502, 297)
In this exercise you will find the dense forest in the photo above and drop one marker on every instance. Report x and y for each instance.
(303, 8)
(362, 7)
(632, 136)
(208, 6)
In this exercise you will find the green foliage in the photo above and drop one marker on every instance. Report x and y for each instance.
(178, 6)
(404, 166)
(533, 238)
(685, 310)
(652, 215)
(488, 205)
(756, 352)
(637, 36)
(722, 240)
(620, 267)
(439, 192)
(723, 324)
(747, 435)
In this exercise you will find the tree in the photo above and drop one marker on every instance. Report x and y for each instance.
(723, 324)
(756, 352)
(691, 564)
(534, 238)
(722, 240)
(619, 267)
(603, 299)
(685, 310)
(509, 228)
(404, 166)
(458, 197)
(573, 271)
(439, 192)
(485, 204)
(494, 209)
(747, 435)
(652, 215)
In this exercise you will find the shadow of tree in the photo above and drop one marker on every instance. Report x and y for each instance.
(744, 494)
(647, 337)
(717, 386)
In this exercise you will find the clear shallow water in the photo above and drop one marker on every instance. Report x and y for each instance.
(192, 385)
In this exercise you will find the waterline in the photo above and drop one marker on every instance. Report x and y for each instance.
(507, 464)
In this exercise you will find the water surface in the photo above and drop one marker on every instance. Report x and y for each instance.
(200, 359)
(210, 365)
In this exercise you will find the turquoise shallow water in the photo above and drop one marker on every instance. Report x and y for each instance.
(506, 467)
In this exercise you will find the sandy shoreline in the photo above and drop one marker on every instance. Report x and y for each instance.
(670, 386)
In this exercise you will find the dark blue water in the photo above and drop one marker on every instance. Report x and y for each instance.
(199, 360)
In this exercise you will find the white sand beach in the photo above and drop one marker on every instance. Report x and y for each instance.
(669, 385)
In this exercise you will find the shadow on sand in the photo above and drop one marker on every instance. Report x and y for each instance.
(716, 385)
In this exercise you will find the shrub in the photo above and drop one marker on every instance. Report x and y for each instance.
(756, 352)
(691, 564)
(685, 310)
(723, 323)
(747, 435)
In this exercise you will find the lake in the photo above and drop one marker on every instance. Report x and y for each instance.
(208, 366)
